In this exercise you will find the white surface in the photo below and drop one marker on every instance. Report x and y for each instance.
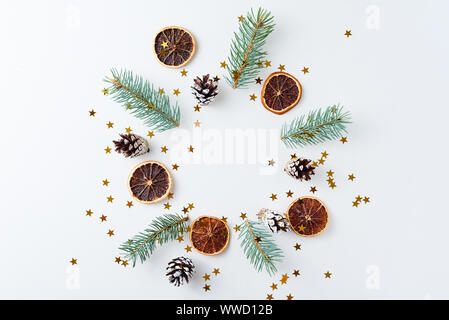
(393, 79)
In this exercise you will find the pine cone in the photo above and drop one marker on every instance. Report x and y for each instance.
(180, 269)
(205, 89)
(131, 145)
(275, 221)
(300, 169)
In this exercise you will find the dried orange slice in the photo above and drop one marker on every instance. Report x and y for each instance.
(209, 235)
(149, 182)
(281, 92)
(307, 216)
(174, 46)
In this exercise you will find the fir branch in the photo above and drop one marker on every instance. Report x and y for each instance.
(318, 126)
(259, 246)
(144, 102)
(161, 230)
(246, 52)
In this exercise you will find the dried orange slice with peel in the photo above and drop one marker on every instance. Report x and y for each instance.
(280, 92)
(174, 46)
(209, 235)
(308, 216)
(149, 182)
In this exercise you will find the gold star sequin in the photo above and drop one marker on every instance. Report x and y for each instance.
(330, 173)
(170, 195)
(284, 278)
(344, 140)
(185, 210)
(167, 206)
(351, 177)
(289, 297)
(107, 150)
(297, 246)
(110, 124)
(129, 130)
(106, 182)
(216, 271)
(184, 73)
(289, 194)
(180, 238)
(206, 287)
(164, 44)
(175, 167)
(197, 124)
(89, 212)
(176, 92)
(366, 199)
(110, 198)
(252, 97)
(355, 203)
(188, 249)
(267, 64)
(224, 219)
(321, 161)
(295, 273)
(358, 198)
(324, 154)
(161, 91)
(129, 204)
(273, 196)
(164, 149)
(206, 277)
(241, 18)
(74, 261)
(223, 65)
(236, 228)
(118, 260)
(124, 263)
(110, 233)
(293, 156)
(150, 134)
(313, 189)
(348, 33)
(281, 67)
(191, 148)
(103, 218)
(273, 286)
(105, 91)
(92, 113)
(259, 80)
(327, 274)
(197, 108)
(243, 216)
(301, 228)
(190, 206)
(269, 297)
(305, 70)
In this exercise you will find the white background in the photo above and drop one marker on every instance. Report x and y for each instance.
(392, 76)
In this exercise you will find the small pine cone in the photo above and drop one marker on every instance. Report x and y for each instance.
(205, 89)
(131, 145)
(179, 270)
(300, 169)
(274, 221)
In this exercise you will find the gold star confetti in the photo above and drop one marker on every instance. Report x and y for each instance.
(313, 189)
(237, 228)
(92, 113)
(327, 274)
(301, 228)
(164, 149)
(330, 173)
(216, 271)
(176, 92)
(206, 287)
(324, 154)
(289, 194)
(267, 64)
(305, 70)
(118, 260)
(89, 212)
(259, 80)
(110, 198)
(332, 185)
(321, 161)
(274, 286)
(224, 219)
(241, 18)
(74, 261)
(129, 204)
(129, 130)
(170, 195)
(273, 196)
(107, 150)
(281, 67)
(124, 263)
(180, 238)
(296, 273)
(190, 206)
(348, 33)
(223, 65)
(252, 97)
(161, 91)
(366, 199)
(197, 124)
(197, 108)
(188, 229)
(167, 206)
(105, 91)
(150, 134)
(110, 233)
(164, 44)
(103, 218)
(344, 140)
(191, 148)
(284, 278)
(110, 124)
(289, 297)
(355, 203)
(206, 277)
(184, 73)
(297, 246)
(351, 177)
(175, 167)
(271, 162)
(269, 297)
(243, 216)
(185, 210)
(188, 249)
(105, 182)
(293, 156)
(314, 164)
(358, 198)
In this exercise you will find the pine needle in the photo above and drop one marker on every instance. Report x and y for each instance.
(161, 230)
(246, 52)
(259, 246)
(140, 98)
(318, 126)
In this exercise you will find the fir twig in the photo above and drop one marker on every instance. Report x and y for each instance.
(144, 102)
(161, 230)
(246, 52)
(259, 246)
(318, 126)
